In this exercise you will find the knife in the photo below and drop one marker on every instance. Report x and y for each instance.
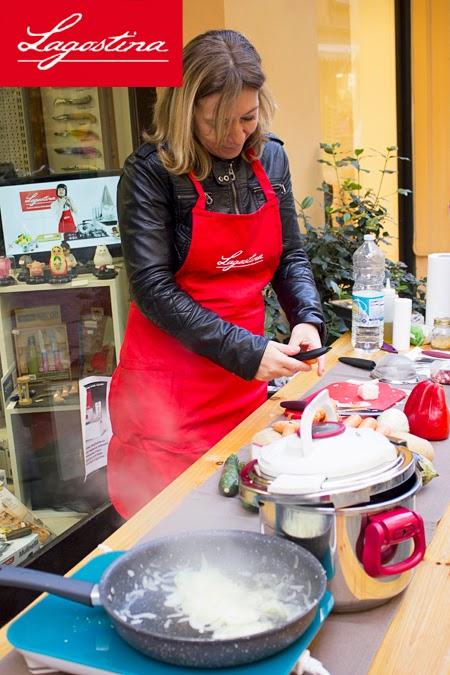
(434, 354)
(365, 364)
(311, 354)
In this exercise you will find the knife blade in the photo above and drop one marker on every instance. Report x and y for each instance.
(365, 364)
(436, 354)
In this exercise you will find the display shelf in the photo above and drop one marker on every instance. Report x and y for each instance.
(26, 427)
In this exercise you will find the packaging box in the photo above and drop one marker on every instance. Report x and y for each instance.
(18, 550)
(96, 343)
(30, 317)
(43, 351)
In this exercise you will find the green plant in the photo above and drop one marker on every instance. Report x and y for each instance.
(351, 211)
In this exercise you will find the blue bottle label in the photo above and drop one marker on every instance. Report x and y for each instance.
(368, 309)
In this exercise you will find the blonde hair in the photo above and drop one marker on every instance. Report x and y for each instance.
(219, 61)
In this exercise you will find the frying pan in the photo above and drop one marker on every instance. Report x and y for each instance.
(233, 552)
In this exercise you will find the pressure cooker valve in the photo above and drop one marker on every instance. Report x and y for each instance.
(389, 528)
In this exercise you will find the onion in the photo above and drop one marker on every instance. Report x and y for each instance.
(395, 419)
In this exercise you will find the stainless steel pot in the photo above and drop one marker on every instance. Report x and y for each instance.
(361, 526)
(369, 551)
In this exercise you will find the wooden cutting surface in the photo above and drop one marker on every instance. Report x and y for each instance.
(421, 627)
(418, 639)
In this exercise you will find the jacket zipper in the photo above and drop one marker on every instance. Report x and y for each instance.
(274, 185)
(233, 187)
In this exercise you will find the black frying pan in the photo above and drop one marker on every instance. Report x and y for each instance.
(233, 552)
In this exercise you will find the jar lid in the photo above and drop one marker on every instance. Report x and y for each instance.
(442, 321)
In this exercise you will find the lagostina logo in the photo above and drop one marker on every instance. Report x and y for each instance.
(236, 261)
(47, 49)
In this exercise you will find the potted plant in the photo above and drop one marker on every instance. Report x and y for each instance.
(351, 211)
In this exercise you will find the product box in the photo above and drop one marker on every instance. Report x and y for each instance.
(43, 351)
(18, 550)
(29, 317)
(96, 343)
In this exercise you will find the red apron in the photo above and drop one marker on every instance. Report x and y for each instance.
(66, 222)
(168, 406)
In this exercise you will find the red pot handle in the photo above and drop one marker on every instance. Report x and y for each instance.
(389, 528)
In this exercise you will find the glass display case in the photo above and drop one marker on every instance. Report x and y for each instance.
(58, 347)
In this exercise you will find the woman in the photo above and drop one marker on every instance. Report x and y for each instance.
(207, 219)
(64, 209)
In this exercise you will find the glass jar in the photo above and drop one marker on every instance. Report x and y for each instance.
(440, 335)
(440, 371)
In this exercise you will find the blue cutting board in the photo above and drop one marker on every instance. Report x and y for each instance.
(74, 633)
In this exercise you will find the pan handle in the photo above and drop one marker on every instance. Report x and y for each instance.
(35, 580)
(389, 528)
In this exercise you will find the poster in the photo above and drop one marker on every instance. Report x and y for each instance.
(95, 422)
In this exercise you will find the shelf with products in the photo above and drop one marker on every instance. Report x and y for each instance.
(50, 337)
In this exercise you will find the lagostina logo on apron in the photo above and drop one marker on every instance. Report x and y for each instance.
(233, 260)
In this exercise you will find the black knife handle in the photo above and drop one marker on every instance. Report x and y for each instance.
(311, 354)
(365, 364)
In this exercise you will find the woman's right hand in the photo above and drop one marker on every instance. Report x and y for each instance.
(276, 362)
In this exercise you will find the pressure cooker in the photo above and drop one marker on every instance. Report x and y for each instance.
(348, 496)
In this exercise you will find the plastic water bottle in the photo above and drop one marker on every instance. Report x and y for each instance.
(368, 296)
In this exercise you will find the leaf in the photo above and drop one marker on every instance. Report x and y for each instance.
(307, 202)
(391, 148)
(359, 151)
(346, 217)
(387, 171)
(324, 161)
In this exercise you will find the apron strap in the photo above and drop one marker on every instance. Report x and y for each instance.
(201, 201)
(263, 180)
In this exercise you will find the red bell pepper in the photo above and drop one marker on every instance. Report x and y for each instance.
(427, 412)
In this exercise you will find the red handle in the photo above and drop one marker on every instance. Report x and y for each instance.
(389, 528)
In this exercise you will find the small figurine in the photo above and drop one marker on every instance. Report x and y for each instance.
(58, 397)
(70, 258)
(104, 268)
(5, 272)
(23, 387)
(24, 261)
(58, 267)
(73, 391)
(35, 272)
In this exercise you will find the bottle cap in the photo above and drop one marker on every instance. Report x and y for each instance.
(369, 237)
(388, 289)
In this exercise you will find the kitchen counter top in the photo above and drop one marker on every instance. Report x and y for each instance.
(407, 635)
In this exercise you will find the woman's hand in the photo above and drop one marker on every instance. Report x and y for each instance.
(305, 336)
(276, 362)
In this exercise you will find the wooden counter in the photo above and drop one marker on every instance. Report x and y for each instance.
(423, 604)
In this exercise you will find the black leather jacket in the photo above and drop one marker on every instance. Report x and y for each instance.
(155, 225)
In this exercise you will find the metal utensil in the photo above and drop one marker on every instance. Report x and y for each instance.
(177, 642)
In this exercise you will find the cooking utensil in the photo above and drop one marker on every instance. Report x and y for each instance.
(311, 354)
(227, 550)
(364, 412)
(346, 393)
(434, 354)
(348, 480)
(365, 364)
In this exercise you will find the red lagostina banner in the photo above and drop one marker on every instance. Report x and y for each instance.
(135, 43)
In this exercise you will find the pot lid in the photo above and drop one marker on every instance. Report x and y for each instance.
(319, 467)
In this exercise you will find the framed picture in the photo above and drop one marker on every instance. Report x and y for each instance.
(43, 351)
